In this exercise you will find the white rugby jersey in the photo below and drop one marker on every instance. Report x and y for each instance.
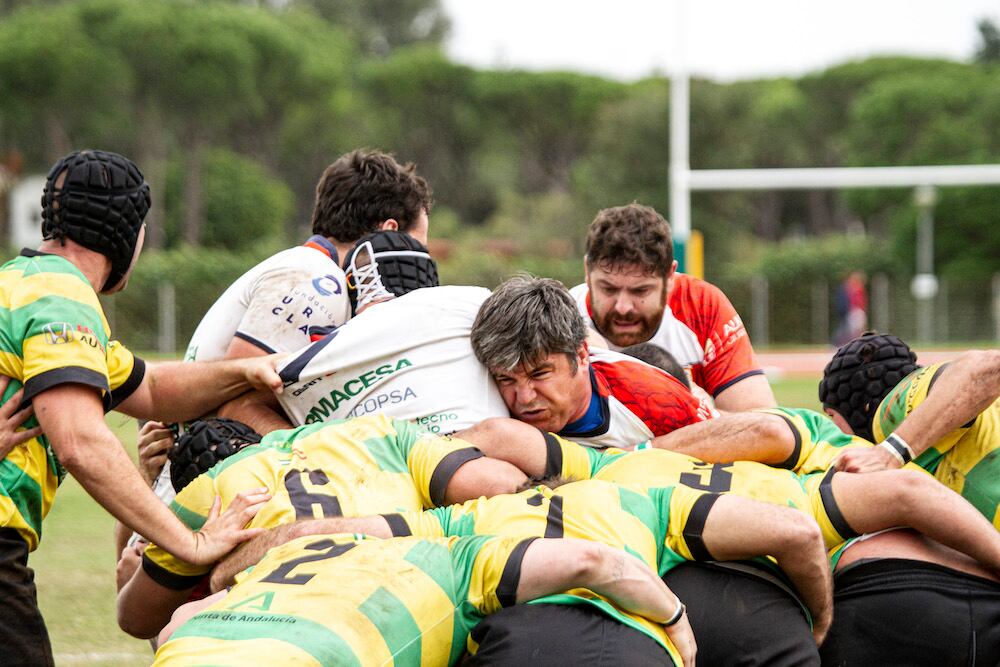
(409, 357)
(273, 304)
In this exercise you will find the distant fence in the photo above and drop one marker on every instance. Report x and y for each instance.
(805, 313)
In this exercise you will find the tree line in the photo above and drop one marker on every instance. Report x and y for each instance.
(234, 108)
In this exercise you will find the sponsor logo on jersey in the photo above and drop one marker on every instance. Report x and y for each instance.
(377, 403)
(327, 285)
(57, 333)
(87, 335)
(328, 405)
(433, 423)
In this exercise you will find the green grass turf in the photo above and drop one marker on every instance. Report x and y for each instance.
(75, 563)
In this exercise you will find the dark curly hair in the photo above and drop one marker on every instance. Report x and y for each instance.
(363, 189)
(633, 234)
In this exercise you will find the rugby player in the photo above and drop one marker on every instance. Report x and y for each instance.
(634, 294)
(352, 600)
(843, 504)
(60, 351)
(664, 527)
(360, 466)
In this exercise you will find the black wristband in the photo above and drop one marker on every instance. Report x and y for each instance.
(899, 446)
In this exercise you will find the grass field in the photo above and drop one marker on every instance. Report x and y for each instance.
(75, 563)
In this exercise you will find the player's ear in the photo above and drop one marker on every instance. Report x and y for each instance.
(390, 225)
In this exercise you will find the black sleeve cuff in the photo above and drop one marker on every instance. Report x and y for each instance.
(553, 455)
(175, 582)
(790, 462)
(729, 383)
(65, 375)
(695, 526)
(447, 468)
(128, 387)
(511, 577)
(397, 525)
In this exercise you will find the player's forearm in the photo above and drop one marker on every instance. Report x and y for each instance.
(555, 565)
(105, 471)
(969, 385)
(747, 436)
(748, 394)
(180, 391)
(739, 528)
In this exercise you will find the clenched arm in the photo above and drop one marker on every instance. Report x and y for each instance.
(178, 391)
(742, 436)
(740, 528)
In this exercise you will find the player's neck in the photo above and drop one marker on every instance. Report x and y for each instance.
(93, 265)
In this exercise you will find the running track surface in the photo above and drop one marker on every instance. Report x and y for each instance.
(810, 363)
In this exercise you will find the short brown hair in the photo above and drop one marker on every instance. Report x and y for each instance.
(633, 234)
(362, 189)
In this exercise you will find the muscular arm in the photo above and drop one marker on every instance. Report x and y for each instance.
(739, 528)
(968, 385)
(483, 477)
(510, 440)
(555, 565)
(743, 436)
(73, 419)
(178, 391)
(749, 393)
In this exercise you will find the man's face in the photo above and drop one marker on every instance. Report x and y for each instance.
(549, 394)
(627, 302)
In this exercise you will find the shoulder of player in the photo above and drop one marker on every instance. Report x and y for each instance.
(618, 368)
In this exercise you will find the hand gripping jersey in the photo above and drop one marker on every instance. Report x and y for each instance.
(701, 329)
(53, 332)
(273, 304)
(654, 468)
(409, 357)
(654, 526)
(351, 601)
(967, 460)
(346, 468)
(637, 402)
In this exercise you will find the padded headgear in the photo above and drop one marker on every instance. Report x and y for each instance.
(101, 204)
(385, 264)
(204, 444)
(861, 373)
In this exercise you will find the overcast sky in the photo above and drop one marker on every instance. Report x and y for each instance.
(724, 40)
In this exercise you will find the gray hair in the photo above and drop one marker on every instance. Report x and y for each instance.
(525, 320)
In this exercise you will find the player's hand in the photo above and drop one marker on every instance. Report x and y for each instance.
(261, 372)
(866, 459)
(222, 532)
(11, 418)
(682, 637)
(128, 562)
(154, 443)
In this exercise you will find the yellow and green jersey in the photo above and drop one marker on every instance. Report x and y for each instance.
(368, 465)
(817, 439)
(967, 460)
(661, 527)
(52, 332)
(344, 600)
(652, 468)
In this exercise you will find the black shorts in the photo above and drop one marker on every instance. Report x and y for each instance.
(740, 618)
(556, 634)
(23, 637)
(894, 611)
